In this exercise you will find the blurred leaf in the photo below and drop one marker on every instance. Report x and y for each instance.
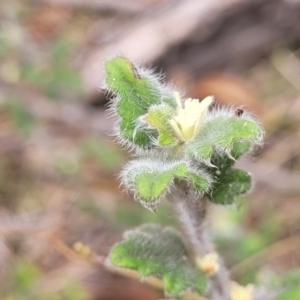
(25, 286)
(125, 214)
(104, 154)
(74, 291)
(90, 207)
(25, 276)
(289, 283)
(5, 46)
(22, 118)
(288, 279)
(131, 215)
(252, 243)
(67, 165)
(291, 294)
(56, 78)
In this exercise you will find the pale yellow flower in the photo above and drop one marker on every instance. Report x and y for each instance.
(238, 292)
(189, 119)
(209, 264)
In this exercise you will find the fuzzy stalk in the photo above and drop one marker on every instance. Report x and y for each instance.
(192, 211)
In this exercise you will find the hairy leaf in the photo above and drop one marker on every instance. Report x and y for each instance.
(136, 91)
(219, 134)
(158, 117)
(158, 251)
(150, 179)
(229, 184)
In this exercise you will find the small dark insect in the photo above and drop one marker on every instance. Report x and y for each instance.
(239, 112)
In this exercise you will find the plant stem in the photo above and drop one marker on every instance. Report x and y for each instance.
(191, 211)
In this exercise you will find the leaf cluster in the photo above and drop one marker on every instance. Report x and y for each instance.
(146, 112)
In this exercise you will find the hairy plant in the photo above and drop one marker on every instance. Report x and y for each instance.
(184, 150)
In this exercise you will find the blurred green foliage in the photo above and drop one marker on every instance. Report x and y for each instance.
(68, 166)
(25, 276)
(253, 241)
(24, 121)
(290, 283)
(104, 154)
(24, 285)
(127, 215)
(134, 215)
(56, 78)
(291, 294)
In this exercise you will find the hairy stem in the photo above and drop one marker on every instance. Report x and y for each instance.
(191, 211)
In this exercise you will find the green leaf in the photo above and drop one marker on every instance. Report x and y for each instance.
(239, 148)
(154, 250)
(221, 163)
(201, 181)
(151, 186)
(229, 184)
(220, 134)
(136, 91)
(291, 293)
(150, 179)
(158, 117)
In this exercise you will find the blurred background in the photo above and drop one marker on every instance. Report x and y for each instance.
(61, 207)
